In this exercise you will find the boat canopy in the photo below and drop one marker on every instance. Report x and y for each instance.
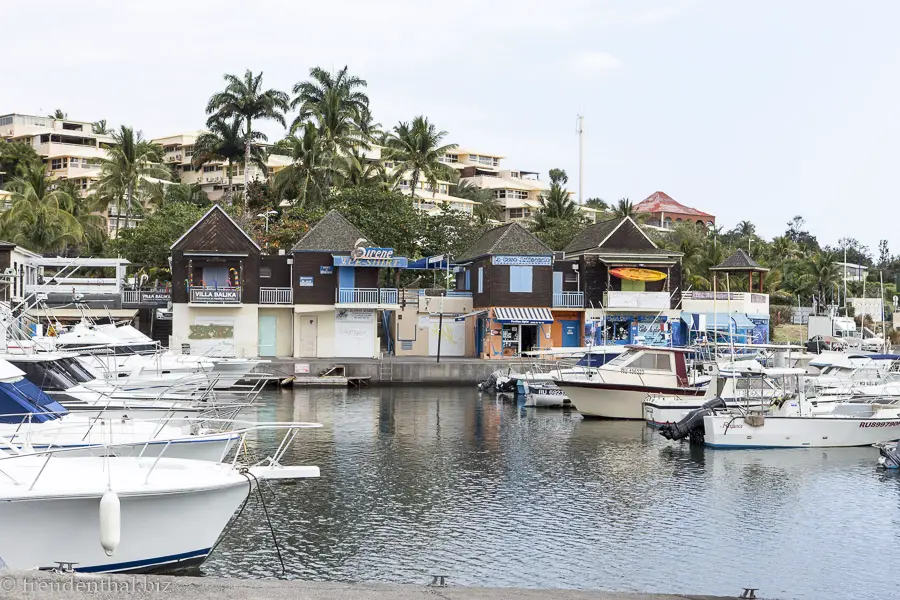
(18, 398)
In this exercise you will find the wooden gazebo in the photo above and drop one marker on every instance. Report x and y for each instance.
(740, 262)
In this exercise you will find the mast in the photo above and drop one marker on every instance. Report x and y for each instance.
(580, 159)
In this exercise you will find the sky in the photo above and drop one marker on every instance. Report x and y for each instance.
(748, 110)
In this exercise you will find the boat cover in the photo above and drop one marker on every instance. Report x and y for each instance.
(20, 397)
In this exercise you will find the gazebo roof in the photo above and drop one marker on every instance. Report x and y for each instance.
(739, 261)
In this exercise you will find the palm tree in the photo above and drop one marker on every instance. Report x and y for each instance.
(340, 112)
(225, 142)
(556, 205)
(488, 207)
(244, 100)
(129, 162)
(823, 272)
(58, 114)
(37, 218)
(100, 127)
(303, 181)
(356, 170)
(416, 149)
(624, 208)
(72, 201)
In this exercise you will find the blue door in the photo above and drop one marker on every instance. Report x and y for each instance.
(346, 281)
(268, 328)
(570, 334)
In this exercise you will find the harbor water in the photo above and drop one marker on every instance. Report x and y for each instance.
(423, 481)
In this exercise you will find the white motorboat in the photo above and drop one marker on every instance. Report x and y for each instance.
(617, 389)
(122, 514)
(791, 421)
(841, 372)
(739, 384)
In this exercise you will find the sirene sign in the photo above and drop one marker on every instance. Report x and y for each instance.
(360, 253)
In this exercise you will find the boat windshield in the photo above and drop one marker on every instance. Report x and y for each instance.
(45, 375)
(622, 359)
(75, 370)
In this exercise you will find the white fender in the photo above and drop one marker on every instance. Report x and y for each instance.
(110, 521)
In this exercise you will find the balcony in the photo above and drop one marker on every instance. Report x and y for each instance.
(145, 297)
(700, 301)
(370, 296)
(568, 299)
(211, 295)
(636, 300)
(276, 295)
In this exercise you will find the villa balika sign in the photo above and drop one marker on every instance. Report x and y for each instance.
(370, 257)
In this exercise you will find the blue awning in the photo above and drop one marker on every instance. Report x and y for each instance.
(429, 262)
(523, 316)
(717, 320)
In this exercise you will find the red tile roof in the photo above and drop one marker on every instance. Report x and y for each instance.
(661, 202)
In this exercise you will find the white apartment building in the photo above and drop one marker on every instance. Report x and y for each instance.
(518, 191)
(213, 176)
(69, 148)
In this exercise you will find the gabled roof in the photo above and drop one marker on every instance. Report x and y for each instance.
(661, 202)
(511, 238)
(215, 208)
(596, 238)
(739, 261)
(334, 233)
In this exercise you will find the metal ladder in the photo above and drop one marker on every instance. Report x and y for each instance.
(385, 370)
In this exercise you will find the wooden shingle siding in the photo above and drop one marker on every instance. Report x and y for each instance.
(307, 264)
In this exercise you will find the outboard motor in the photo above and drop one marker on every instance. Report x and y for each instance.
(506, 384)
(890, 456)
(692, 424)
(489, 383)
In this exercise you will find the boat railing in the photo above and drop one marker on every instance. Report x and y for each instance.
(10, 450)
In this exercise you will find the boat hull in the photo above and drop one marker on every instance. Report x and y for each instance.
(159, 532)
(615, 401)
(546, 396)
(729, 431)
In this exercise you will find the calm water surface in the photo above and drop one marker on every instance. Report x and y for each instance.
(421, 481)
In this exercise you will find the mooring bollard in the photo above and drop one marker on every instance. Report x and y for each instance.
(438, 581)
(749, 593)
(64, 566)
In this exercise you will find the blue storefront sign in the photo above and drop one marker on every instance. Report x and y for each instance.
(306, 282)
(351, 261)
(326, 270)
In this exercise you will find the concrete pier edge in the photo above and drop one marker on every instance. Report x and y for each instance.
(77, 586)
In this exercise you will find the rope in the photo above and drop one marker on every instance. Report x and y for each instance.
(269, 522)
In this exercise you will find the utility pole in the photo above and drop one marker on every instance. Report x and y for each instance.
(581, 159)
(845, 280)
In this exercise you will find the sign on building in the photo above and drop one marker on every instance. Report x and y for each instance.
(526, 261)
(306, 282)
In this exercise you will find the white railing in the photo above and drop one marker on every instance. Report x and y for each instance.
(650, 300)
(568, 299)
(146, 297)
(276, 295)
(367, 296)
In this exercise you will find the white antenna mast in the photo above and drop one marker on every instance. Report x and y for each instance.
(580, 159)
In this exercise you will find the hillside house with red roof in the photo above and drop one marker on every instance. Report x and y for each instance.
(664, 212)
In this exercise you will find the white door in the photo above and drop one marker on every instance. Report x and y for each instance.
(453, 337)
(268, 333)
(309, 331)
(354, 333)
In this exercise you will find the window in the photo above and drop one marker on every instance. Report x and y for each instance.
(480, 280)
(570, 277)
(188, 150)
(187, 168)
(516, 213)
(653, 360)
(468, 280)
(265, 272)
(520, 279)
(211, 168)
(514, 174)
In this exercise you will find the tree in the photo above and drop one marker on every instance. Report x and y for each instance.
(884, 254)
(388, 218)
(99, 127)
(823, 272)
(37, 218)
(797, 234)
(303, 182)
(244, 100)
(149, 242)
(338, 108)
(488, 208)
(16, 158)
(624, 208)
(128, 163)
(447, 232)
(597, 204)
(416, 149)
(92, 224)
(58, 114)
(224, 142)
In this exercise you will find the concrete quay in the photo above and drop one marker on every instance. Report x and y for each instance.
(416, 370)
(40, 585)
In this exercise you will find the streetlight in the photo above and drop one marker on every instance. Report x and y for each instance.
(266, 216)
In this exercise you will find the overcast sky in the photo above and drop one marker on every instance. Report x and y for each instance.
(748, 110)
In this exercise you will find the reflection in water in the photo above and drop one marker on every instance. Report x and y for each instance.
(420, 481)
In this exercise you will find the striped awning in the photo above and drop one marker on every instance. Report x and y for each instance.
(523, 316)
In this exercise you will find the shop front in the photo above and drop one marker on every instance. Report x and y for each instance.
(650, 330)
(511, 331)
